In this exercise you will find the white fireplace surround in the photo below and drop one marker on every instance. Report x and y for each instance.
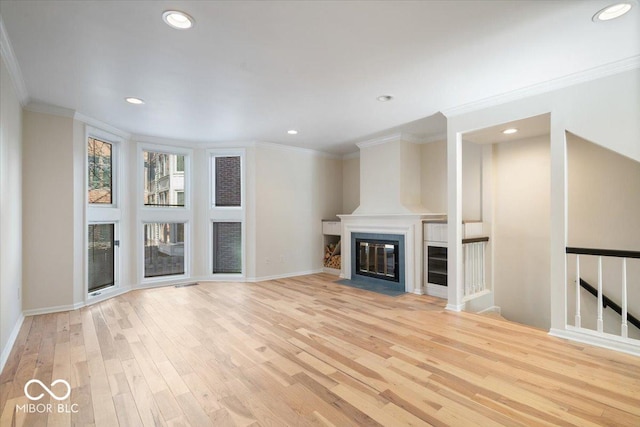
(407, 225)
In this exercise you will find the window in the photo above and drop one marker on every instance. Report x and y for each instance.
(227, 247)
(100, 165)
(227, 211)
(163, 249)
(163, 178)
(101, 256)
(227, 181)
(102, 212)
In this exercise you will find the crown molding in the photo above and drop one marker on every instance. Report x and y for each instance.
(595, 73)
(9, 57)
(378, 141)
(54, 110)
(435, 138)
(354, 155)
(297, 149)
(399, 136)
(101, 125)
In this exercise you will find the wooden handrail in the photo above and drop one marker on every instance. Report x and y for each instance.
(475, 240)
(603, 252)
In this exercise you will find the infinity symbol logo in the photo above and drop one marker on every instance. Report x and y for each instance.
(51, 393)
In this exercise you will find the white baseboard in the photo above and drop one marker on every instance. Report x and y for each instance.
(492, 309)
(283, 276)
(6, 351)
(453, 307)
(54, 309)
(611, 342)
(334, 271)
(437, 291)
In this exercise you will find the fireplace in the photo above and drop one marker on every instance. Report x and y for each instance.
(378, 257)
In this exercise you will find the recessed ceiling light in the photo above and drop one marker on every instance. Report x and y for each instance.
(612, 12)
(292, 132)
(510, 131)
(178, 20)
(135, 101)
(384, 98)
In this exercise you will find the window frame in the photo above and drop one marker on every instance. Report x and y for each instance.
(99, 213)
(227, 213)
(164, 214)
(213, 154)
(116, 257)
(165, 277)
(179, 151)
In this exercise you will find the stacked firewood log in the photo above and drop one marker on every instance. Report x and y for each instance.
(332, 256)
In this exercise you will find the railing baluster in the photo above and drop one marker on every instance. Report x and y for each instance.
(466, 269)
(472, 265)
(482, 254)
(624, 327)
(578, 320)
(600, 321)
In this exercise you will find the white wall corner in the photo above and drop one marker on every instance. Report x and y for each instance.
(6, 351)
(6, 50)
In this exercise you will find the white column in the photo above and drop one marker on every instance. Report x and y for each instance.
(624, 327)
(454, 220)
(558, 225)
(600, 323)
(578, 320)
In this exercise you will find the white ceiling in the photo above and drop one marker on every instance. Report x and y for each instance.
(253, 70)
(527, 128)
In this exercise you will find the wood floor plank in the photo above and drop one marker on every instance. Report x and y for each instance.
(306, 351)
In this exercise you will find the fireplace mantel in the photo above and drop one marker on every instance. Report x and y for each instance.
(408, 225)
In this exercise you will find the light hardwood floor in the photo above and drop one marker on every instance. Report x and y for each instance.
(306, 351)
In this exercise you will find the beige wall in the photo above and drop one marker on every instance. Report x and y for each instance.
(295, 191)
(603, 212)
(434, 178)
(471, 181)
(521, 230)
(10, 212)
(380, 179)
(350, 184)
(48, 211)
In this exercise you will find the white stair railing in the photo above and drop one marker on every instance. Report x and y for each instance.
(474, 259)
(603, 300)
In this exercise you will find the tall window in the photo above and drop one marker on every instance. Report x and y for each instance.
(100, 162)
(227, 211)
(102, 211)
(164, 213)
(163, 179)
